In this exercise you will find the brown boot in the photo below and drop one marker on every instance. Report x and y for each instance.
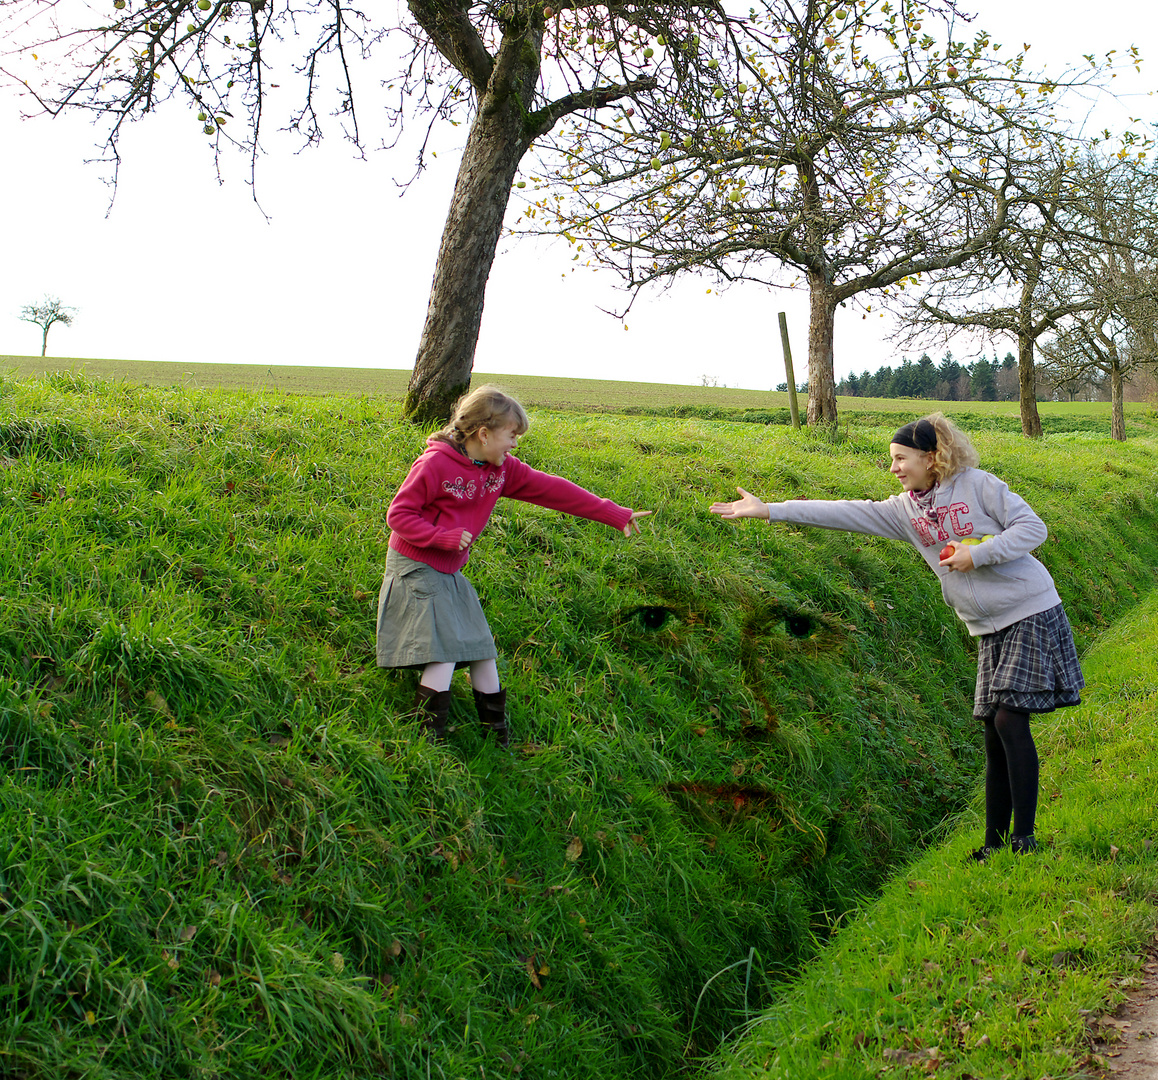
(433, 708)
(492, 711)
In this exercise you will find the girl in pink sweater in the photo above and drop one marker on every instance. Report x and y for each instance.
(429, 615)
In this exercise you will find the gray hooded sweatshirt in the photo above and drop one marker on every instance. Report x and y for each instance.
(1007, 583)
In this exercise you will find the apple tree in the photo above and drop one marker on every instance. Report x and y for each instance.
(507, 71)
(46, 315)
(1037, 280)
(1111, 261)
(861, 145)
(1010, 292)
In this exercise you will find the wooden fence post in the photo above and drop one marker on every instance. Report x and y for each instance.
(793, 408)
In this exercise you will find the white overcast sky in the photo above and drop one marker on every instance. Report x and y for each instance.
(185, 269)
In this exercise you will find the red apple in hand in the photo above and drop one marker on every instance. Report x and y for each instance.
(946, 551)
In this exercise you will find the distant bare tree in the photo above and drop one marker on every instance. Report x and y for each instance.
(1113, 262)
(1009, 292)
(46, 315)
(1070, 256)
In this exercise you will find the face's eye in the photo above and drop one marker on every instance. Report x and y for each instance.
(652, 617)
(798, 625)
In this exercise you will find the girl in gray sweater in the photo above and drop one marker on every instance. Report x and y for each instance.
(977, 536)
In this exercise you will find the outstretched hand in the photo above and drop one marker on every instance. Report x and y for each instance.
(633, 525)
(745, 507)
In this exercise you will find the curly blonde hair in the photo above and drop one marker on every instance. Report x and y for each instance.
(485, 407)
(954, 452)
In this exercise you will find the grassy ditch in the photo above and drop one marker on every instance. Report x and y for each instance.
(1004, 970)
(230, 852)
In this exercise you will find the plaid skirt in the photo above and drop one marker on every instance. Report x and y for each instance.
(1031, 665)
(427, 617)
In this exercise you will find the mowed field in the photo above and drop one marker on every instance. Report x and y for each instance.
(536, 391)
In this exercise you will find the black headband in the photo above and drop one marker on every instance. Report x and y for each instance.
(920, 435)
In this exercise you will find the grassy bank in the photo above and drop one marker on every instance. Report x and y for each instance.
(230, 852)
(1006, 969)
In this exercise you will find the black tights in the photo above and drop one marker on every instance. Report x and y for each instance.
(1011, 769)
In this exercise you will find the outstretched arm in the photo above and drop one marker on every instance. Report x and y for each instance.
(745, 507)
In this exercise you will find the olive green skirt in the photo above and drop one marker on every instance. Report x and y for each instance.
(428, 617)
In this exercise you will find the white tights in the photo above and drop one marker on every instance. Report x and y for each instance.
(484, 676)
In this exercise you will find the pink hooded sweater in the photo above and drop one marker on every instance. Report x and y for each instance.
(447, 493)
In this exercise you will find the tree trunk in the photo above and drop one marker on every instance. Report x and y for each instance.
(44, 341)
(494, 148)
(1117, 411)
(821, 317)
(1027, 386)
(1026, 336)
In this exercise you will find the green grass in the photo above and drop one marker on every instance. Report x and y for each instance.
(1083, 419)
(231, 852)
(1004, 969)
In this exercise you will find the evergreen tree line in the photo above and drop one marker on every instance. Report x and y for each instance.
(982, 380)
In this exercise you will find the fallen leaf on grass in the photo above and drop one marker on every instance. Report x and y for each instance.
(574, 849)
(534, 970)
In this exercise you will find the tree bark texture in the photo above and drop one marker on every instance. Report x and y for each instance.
(497, 142)
(821, 320)
(1026, 374)
(1117, 394)
(1027, 387)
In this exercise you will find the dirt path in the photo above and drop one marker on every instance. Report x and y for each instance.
(1127, 1041)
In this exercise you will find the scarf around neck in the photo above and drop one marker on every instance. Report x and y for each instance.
(925, 503)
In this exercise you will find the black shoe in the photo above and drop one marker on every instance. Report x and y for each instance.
(983, 853)
(1023, 845)
(492, 711)
(433, 710)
